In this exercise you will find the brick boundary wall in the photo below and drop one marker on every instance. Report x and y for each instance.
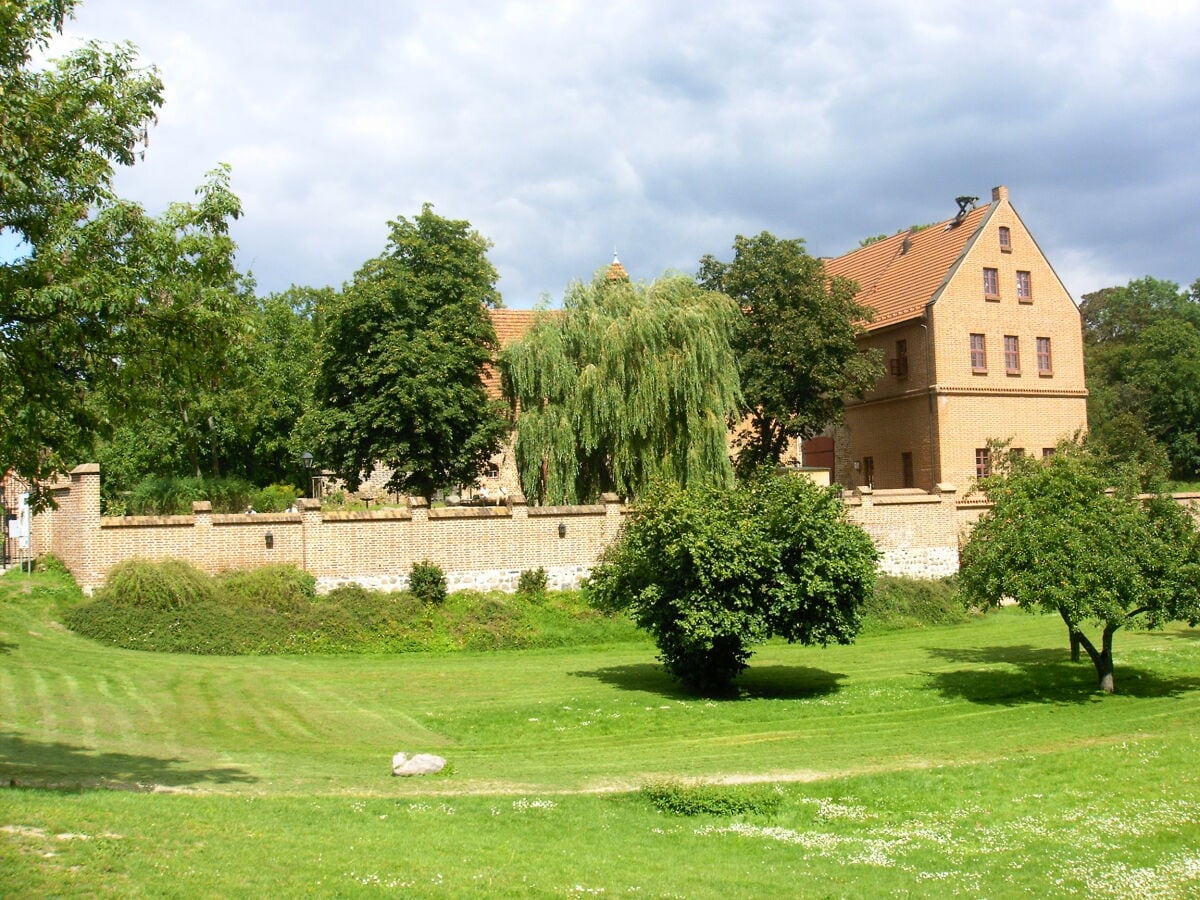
(918, 534)
(477, 547)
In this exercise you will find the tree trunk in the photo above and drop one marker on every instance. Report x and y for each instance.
(1102, 658)
(1072, 636)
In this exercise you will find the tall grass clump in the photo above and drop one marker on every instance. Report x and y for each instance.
(900, 603)
(169, 584)
(279, 588)
(165, 605)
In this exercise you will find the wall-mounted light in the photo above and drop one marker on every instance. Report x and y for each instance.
(562, 529)
(270, 539)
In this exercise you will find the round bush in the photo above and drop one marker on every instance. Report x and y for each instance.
(427, 582)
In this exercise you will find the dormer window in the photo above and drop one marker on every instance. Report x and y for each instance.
(1005, 239)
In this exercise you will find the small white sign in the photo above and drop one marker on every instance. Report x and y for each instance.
(19, 527)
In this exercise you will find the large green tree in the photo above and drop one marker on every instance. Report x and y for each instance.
(402, 353)
(184, 373)
(627, 385)
(1057, 540)
(712, 572)
(1142, 349)
(796, 342)
(283, 368)
(63, 128)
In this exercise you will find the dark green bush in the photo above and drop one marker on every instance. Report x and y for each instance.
(900, 603)
(274, 498)
(174, 496)
(712, 799)
(427, 582)
(711, 572)
(532, 583)
(165, 605)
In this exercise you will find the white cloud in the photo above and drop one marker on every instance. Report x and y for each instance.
(561, 130)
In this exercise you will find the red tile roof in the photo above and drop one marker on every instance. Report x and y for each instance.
(897, 282)
(511, 325)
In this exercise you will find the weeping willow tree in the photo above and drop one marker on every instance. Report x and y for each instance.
(628, 385)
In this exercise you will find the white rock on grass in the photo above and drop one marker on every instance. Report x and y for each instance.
(418, 764)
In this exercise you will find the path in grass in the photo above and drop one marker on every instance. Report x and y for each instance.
(565, 720)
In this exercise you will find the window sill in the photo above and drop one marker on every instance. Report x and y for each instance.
(992, 298)
(979, 371)
(1013, 373)
(1004, 249)
(1025, 300)
(1045, 374)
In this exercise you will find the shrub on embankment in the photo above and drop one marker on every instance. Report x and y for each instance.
(900, 603)
(170, 606)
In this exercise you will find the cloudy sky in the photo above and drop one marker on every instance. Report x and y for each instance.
(565, 130)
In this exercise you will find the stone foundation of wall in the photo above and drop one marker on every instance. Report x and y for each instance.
(562, 578)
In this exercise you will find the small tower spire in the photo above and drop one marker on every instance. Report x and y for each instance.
(616, 271)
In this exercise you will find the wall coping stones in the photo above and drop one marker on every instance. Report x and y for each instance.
(357, 515)
(147, 521)
(597, 509)
(470, 512)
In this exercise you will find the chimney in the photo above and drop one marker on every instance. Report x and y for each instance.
(999, 193)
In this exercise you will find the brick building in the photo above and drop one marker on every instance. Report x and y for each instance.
(981, 341)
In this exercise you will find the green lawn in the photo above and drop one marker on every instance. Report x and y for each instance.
(972, 760)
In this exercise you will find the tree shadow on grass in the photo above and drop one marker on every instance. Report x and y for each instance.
(1181, 634)
(756, 683)
(58, 766)
(1015, 676)
(6, 647)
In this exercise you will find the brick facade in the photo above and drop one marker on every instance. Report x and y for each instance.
(931, 294)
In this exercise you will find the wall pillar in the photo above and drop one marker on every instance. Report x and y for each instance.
(614, 516)
(310, 531)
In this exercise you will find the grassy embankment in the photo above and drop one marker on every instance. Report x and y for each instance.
(972, 759)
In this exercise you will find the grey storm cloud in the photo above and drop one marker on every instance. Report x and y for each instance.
(564, 131)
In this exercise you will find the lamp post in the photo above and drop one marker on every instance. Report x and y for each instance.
(306, 460)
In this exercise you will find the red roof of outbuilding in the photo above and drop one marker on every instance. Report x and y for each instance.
(511, 325)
